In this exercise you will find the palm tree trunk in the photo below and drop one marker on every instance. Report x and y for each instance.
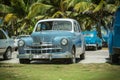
(99, 29)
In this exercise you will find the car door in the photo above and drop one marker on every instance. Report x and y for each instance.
(78, 40)
(3, 42)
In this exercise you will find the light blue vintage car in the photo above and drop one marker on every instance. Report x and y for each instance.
(53, 39)
(6, 45)
(114, 38)
(92, 40)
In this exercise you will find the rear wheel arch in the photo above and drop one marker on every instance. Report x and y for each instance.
(9, 47)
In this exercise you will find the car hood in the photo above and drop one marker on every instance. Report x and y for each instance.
(89, 38)
(48, 36)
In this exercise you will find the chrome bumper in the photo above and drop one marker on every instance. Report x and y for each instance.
(87, 45)
(45, 56)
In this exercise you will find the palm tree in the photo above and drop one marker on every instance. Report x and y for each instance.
(92, 12)
(48, 9)
(102, 12)
(15, 8)
(26, 12)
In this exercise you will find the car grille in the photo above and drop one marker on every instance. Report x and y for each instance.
(38, 48)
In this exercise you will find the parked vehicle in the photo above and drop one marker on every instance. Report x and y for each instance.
(104, 37)
(92, 40)
(104, 40)
(114, 38)
(53, 39)
(6, 45)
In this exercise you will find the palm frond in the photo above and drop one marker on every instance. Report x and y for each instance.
(38, 8)
(9, 17)
(19, 3)
(19, 7)
(81, 6)
(40, 17)
(5, 8)
(70, 3)
(99, 7)
(111, 8)
(57, 14)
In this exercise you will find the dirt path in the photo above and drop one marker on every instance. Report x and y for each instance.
(99, 56)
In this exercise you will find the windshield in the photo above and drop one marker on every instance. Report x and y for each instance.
(54, 25)
(88, 35)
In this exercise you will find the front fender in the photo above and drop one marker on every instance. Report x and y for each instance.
(57, 40)
(68, 47)
(28, 42)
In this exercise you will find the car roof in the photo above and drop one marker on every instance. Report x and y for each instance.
(57, 19)
(89, 32)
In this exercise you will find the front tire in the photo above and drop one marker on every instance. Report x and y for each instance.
(8, 54)
(100, 47)
(24, 61)
(73, 59)
(96, 47)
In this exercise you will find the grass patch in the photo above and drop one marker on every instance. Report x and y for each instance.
(59, 72)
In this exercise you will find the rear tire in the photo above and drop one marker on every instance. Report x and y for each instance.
(82, 56)
(114, 58)
(8, 54)
(24, 61)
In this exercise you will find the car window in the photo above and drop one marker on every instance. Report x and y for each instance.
(2, 35)
(62, 25)
(88, 35)
(79, 27)
(54, 25)
(42, 26)
(76, 27)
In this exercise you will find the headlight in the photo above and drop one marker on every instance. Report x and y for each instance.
(64, 41)
(21, 43)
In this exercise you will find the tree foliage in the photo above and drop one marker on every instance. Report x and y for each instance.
(23, 14)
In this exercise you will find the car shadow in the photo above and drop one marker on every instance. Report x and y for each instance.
(109, 62)
(1, 59)
(56, 61)
(90, 50)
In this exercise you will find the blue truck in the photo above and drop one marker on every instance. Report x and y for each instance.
(114, 38)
